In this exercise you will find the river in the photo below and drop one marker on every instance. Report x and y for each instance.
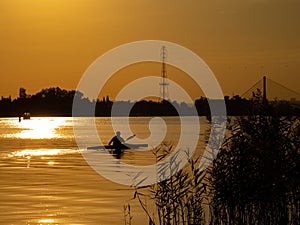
(44, 178)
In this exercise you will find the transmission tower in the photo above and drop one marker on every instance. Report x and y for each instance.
(164, 83)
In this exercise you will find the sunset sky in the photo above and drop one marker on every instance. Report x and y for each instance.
(46, 43)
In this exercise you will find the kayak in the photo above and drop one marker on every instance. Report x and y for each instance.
(127, 146)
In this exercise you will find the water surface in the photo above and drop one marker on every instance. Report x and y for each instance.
(44, 178)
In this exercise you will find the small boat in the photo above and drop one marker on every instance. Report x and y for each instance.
(124, 146)
(26, 116)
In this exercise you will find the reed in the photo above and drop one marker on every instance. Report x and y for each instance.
(178, 200)
(127, 214)
(255, 178)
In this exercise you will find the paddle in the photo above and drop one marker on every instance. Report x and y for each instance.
(130, 137)
(103, 146)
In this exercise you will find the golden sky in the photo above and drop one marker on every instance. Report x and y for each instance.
(52, 42)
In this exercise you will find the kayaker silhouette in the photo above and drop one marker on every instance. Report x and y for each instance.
(117, 143)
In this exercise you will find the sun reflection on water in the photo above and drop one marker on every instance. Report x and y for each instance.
(51, 163)
(43, 222)
(39, 128)
(42, 153)
(28, 153)
(47, 222)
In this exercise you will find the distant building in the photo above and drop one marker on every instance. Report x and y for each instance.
(22, 93)
(6, 100)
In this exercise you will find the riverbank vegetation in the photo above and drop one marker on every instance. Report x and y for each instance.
(255, 178)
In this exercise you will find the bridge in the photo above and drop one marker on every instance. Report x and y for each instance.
(272, 90)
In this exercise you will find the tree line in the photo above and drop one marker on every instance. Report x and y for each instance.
(55, 101)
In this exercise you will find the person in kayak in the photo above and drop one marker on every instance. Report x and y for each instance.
(117, 142)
